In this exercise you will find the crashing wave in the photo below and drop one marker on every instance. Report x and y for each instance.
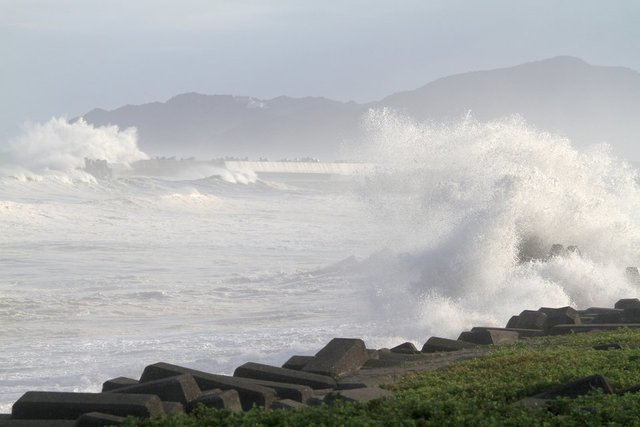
(473, 207)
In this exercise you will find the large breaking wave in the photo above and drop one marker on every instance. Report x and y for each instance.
(67, 152)
(471, 210)
(59, 148)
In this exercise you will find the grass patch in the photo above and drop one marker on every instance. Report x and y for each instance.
(477, 392)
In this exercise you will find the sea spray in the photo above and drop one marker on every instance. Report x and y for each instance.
(60, 146)
(471, 209)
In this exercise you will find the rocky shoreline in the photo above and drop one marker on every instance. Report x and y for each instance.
(342, 370)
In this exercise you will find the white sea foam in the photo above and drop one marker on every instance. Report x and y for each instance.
(56, 151)
(194, 171)
(472, 207)
(58, 147)
(237, 176)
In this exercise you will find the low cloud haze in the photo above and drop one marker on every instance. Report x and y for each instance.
(65, 58)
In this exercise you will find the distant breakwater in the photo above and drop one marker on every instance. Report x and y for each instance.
(295, 167)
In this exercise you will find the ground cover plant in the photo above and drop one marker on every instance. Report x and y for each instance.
(478, 392)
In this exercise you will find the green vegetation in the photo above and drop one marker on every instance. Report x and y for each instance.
(479, 392)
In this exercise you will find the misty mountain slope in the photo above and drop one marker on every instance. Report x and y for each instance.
(588, 104)
(217, 125)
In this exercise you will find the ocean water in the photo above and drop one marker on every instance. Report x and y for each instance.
(211, 268)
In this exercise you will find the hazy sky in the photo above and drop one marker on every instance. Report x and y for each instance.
(65, 57)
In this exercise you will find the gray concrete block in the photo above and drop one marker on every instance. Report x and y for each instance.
(631, 315)
(484, 336)
(586, 318)
(8, 422)
(116, 383)
(437, 344)
(340, 357)
(403, 357)
(605, 315)
(405, 348)
(181, 388)
(297, 362)
(577, 388)
(99, 419)
(318, 397)
(522, 333)
(600, 310)
(316, 401)
(513, 321)
(286, 391)
(259, 371)
(63, 405)
(531, 319)
(250, 393)
(377, 363)
(560, 316)
(627, 303)
(347, 384)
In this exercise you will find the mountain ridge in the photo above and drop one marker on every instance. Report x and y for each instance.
(565, 95)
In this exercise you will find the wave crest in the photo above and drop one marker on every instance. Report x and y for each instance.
(59, 145)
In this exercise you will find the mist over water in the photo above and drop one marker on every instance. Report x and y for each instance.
(212, 268)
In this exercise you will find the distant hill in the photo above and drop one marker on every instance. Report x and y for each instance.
(219, 125)
(564, 95)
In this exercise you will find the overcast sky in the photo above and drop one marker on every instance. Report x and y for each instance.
(65, 57)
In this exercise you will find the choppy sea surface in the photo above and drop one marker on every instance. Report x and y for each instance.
(211, 268)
